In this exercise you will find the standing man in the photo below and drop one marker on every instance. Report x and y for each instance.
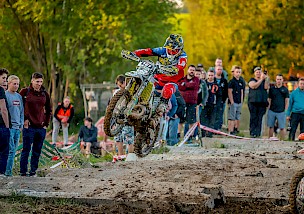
(62, 116)
(237, 122)
(278, 97)
(257, 100)
(208, 113)
(189, 87)
(37, 114)
(15, 107)
(295, 112)
(5, 124)
(219, 62)
(221, 97)
(236, 89)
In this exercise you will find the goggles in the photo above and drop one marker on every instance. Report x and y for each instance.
(173, 51)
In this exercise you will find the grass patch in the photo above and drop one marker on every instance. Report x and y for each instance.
(161, 150)
(218, 145)
(241, 134)
(78, 160)
(99, 159)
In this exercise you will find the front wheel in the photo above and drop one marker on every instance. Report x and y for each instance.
(144, 142)
(296, 195)
(114, 113)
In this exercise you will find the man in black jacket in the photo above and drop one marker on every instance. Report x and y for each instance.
(87, 136)
(221, 97)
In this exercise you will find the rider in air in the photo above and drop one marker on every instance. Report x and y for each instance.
(171, 53)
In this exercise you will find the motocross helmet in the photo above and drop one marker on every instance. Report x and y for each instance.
(301, 137)
(168, 90)
(174, 46)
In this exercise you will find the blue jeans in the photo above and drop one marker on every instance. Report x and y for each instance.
(4, 147)
(13, 144)
(164, 128)
(172, 131)
(35, 137)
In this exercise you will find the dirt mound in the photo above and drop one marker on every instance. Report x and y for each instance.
(31, 205)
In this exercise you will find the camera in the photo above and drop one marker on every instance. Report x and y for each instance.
(265, 72)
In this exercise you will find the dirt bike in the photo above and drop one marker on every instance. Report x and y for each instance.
(296, 194)
(138, 105)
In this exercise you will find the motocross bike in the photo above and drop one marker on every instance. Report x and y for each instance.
(296, 194)
(138, 105)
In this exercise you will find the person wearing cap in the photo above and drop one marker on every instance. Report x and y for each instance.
(257, 100)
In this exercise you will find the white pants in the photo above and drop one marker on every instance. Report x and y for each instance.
(56, 127)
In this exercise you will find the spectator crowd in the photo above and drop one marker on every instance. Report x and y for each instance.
(204, 95)
(201, 96)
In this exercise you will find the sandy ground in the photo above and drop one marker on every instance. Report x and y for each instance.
(243, 177)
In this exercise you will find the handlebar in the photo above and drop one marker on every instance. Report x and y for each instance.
(130, 55)
(162, 69)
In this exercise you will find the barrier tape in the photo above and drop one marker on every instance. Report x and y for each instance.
(188, 134)
(235, 136)
(214, 131)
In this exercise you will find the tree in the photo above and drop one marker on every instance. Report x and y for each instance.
(73, 42)
(247, 33)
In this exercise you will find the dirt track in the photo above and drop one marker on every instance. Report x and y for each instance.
(186, 180)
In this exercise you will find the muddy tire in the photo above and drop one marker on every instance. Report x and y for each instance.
(118, 101)
(143, 145)
(296, 194)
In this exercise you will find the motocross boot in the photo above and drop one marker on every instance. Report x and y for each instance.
(162, 106)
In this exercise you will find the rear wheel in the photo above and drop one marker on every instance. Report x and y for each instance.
(296, 195)
(114, 116)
